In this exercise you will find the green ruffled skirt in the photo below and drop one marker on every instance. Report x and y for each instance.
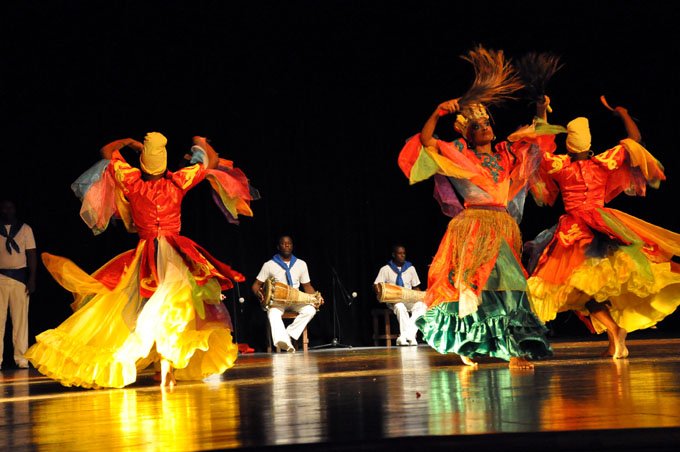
(503, 327)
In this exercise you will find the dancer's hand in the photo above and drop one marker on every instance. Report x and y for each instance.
(620, 112)
(448, 107)
(200, 141)
(543, 107)
(30, 288)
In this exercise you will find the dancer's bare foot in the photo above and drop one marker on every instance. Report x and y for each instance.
(520, 363)
(611, 349)
(167, 374)
(468, 362)
(620, 349)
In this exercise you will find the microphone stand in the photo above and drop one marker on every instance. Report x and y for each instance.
(337, 286)
(236, 295)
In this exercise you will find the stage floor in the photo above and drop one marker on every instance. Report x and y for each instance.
(369, 398)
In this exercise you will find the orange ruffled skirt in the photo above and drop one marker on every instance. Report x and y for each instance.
(115, 333)
(639, 283)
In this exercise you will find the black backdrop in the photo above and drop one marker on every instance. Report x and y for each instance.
(313, 100)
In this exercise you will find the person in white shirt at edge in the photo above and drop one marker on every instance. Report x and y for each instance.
(18, 263)
(402, 273)
(287, 269)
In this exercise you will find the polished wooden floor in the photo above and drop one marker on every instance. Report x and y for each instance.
(373, 399)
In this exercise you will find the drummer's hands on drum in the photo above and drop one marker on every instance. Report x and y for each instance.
(257, 290)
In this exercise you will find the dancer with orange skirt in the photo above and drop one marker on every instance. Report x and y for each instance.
(597, 261)
(476, 296)
(158, 302)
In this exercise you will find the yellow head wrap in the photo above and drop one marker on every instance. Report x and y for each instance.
(467, 114)
(578, 135)
(154, 159)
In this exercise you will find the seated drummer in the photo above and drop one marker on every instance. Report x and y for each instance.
(286, 269)
(402, 273)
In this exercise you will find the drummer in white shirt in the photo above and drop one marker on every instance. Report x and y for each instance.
(400, 272)
(286, 269)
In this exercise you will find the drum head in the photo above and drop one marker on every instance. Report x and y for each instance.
(268, 291)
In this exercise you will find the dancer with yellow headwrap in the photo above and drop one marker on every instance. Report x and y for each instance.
(599, 261)
(158, 302)
(476, 295)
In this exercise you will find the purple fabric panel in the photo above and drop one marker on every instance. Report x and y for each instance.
(446, 196)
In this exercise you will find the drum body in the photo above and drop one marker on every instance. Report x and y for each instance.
(390, 293)
(279, 294)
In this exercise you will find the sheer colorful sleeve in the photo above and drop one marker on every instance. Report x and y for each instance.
(533, 145)
(419, 163)
(232, 191)
(542, 184)
(528, 145)
(102, 191)
(631, 168)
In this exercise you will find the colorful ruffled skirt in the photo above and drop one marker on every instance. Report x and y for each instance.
(624, 263)
(126, 317)
(480, 254)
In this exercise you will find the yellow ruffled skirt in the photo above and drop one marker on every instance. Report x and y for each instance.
(115, 334)
(638, 298)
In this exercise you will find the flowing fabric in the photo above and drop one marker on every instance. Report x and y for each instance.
(599, 253)
(161, 299)
(476, 296)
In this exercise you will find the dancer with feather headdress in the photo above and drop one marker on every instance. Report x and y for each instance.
(476, 297)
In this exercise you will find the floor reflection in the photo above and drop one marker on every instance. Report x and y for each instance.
(470, 400)
(146, 419)
(295, 414)
(15, 386)
(618, 394)
(364, 394)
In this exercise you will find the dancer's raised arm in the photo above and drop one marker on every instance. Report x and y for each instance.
(445, 108)
(631, 128)
(542, 108)
(213, 157)
(108, 150)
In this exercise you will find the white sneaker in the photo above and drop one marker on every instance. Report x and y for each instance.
(401, 341)
(412, 342)
(23, 365)
(287, 346)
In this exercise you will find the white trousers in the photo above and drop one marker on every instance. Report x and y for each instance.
(13, 295)
(407, 324)
(279, 331)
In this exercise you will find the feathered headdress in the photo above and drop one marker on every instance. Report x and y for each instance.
(535, 71)
(495, 81)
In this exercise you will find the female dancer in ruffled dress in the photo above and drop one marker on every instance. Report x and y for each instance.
(598, 261)
(158, 302)
(476, 295)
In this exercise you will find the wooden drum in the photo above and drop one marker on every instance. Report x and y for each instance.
(279, 294)
(390, 293)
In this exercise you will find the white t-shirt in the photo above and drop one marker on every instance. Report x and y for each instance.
(298, 272)
(387, 275)
(24, 239)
